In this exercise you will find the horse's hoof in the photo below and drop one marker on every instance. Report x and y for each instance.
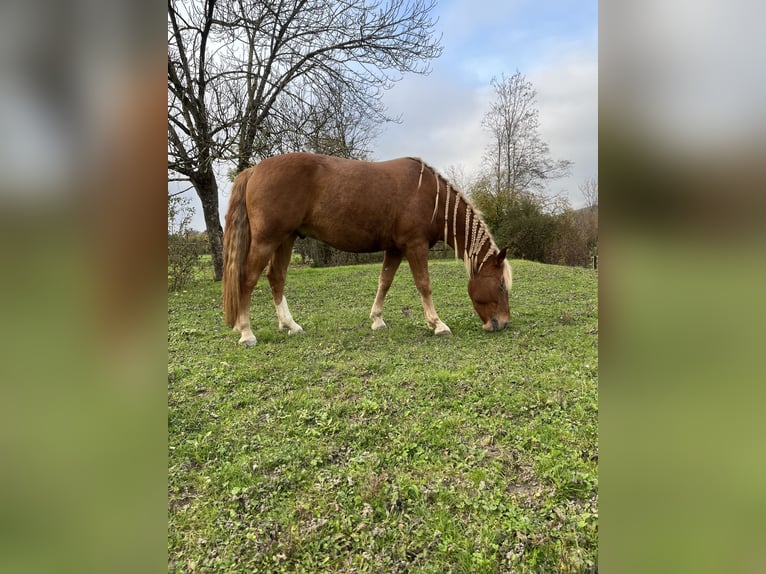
(248, 342)
(297, 330)
(442, 331)
(379, 324)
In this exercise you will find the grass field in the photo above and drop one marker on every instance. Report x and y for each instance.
(348, 450)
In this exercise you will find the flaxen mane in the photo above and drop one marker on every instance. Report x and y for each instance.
(476, 235)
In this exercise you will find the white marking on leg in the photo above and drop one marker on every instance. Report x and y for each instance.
(384, 284)
(286, 319)
(432, 318)
(376, 314)
(243, 326)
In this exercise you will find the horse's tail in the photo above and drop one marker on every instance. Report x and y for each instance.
(236, 244)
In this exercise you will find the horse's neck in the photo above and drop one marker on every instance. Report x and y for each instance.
(463, 229)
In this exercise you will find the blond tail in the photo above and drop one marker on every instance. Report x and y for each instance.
(236, 244)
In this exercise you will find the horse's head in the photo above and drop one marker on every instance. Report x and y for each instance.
(488, 290)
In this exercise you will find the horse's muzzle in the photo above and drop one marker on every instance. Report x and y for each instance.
(495, 325)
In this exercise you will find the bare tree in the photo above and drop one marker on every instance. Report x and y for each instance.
(240, 70)
(589, 190)
(518, 159)
(334, 125)
(517, 167)
(457, 176)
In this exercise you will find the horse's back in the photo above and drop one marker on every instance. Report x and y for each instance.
(350, 204)
(333, 178)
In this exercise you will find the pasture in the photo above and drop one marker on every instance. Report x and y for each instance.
(351, 450)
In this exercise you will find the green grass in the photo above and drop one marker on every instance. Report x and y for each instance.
(348, 450)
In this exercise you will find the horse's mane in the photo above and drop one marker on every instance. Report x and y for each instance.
(476, 230)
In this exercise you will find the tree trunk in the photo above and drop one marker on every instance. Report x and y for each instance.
(207, 189)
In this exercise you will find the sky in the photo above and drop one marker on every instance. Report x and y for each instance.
(553, 43)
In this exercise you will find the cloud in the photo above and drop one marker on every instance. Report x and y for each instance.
(441, 116)
(553, 45)
(567, 98)
(440, 122)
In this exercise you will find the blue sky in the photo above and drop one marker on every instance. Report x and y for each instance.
(504, 35)
(553, 43)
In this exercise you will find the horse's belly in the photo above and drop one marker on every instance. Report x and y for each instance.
(361, 242)
(358, 232)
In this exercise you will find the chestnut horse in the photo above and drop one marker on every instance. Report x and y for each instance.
(401, 207)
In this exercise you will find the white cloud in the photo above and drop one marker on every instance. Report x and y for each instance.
(441, 117)
(440, 122)
(567, 97)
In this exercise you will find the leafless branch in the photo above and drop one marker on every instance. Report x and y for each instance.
(518, 158)
(249, 78)
(176, 193)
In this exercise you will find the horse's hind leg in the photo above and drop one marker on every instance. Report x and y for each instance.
(256, 262)
(391, 261)
(418, 260)
(277, 273)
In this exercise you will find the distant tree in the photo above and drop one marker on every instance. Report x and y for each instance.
(238, 70)
(589, 191)
(517, 166)
(517, 159)
(457, 176)
(517, 220)
(184, 245)
(588, 222)
(568, 246)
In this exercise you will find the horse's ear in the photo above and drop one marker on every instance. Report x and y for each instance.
(500, 257)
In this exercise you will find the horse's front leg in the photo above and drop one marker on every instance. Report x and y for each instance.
(418, 260)
(391, 261)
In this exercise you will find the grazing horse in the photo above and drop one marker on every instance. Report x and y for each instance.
(401, 207)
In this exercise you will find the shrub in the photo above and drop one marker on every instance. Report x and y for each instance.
(184, 244)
